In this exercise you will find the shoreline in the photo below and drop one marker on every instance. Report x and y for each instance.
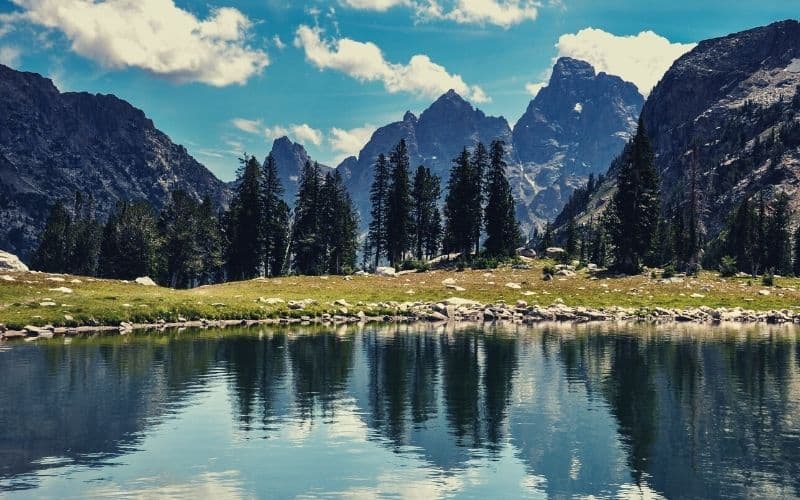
(454, 310)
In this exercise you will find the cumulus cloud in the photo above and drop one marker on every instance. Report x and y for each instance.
(365, 62)
(302, 132)
(641, 59)
(503, 13)
(276, 40)
(349, 142)
(10, 56)
(154, 35)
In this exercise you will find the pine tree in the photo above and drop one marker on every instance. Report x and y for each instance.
(502, 228)
(53, 252)
(547, 238)
(130, 242)
(634, 210)
(398, 210)
(571, 246)
(180, 247)
(306, 243)
(274, 219)
(244, 224)
(742, 234)
(341, 225)
(459, 228)
(796, 263)
(378, 197)
(425, 213)
(479, 166)
(209, 239)
(779, 247)
(85, 237)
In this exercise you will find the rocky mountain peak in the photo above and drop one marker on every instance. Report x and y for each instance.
(290, 157)
(567, 68)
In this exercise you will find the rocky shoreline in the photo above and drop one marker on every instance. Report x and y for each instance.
(449, 310)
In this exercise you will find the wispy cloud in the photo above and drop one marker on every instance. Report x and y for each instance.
(302, 132)
(503, 13)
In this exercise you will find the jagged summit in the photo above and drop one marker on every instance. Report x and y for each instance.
(290, 158)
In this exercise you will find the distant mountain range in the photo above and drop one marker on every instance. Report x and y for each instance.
(731, 106)
(725, 99)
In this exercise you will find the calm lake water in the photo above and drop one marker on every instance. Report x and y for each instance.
(679, 411)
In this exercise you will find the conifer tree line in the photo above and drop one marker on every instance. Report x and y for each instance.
(406, 222)
(638, 228)
(189, 243)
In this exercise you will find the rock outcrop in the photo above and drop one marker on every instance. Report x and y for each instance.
(10, 262)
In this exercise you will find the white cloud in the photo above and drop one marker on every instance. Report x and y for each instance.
(9, 56)
(276, 40)
(156, 36)
(503, 13)
(534, 88)
(302, 132)
(365, 62)
(246, 125)
(349, 142)
(641, 59)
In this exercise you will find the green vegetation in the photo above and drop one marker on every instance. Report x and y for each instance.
(95, 301)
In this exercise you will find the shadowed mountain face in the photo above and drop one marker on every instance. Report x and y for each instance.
(575, 126)
(290, 157)
(731, 105)
(53, 144)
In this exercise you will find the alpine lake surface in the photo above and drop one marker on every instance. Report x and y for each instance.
(409, 410)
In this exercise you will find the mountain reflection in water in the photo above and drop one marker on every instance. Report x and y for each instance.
(604, 410)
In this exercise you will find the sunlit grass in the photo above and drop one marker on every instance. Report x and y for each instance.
(111, 302)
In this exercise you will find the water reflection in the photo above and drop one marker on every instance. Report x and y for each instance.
(600, 410)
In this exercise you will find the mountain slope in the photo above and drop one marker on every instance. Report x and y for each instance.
(573, 127)
(53, 144)
(290, 157)
(732, 106)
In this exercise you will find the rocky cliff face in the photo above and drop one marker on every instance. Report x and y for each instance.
(290, 157)
(731, 107)
(53, 144)
(574, 127)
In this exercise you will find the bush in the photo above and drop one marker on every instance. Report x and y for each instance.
(768, 279)
(548, 270)
(668, 272)
(485, 263)
(414, 265)
(727, 267)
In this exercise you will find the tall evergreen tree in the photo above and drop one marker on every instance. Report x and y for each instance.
(398, 209)
(180, 248)
(633, 214)
(53, 253)
(741, 240)
(274, 219)
(85, 237)
(502, 229)
(130, 242)
(244, 224)
(796, 262)
(459, 207)
(341, 225)
(378, 197)
(571, 245)
(425, 212)
(778, 233)
(479, 165)
(209, 237)
(306, 243)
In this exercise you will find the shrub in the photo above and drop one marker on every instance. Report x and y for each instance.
(485, 263)
(548, 270)
(727, 267)
(668, 272)
(768, 279)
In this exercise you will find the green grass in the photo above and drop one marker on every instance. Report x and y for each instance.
(110, 302)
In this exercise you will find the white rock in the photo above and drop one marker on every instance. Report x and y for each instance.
(145, 281)
(763, 292)
(385, 271)
(61, 289)
(515, 286)
(6, 277)
(448, 281)
(10, 262)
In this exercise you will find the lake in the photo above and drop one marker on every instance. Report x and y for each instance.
(417, 411)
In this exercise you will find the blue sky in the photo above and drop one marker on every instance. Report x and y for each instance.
(226, 76)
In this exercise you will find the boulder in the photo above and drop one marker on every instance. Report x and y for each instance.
(527, 252)
(10, 262)
(145, 281)
(514, 286)
(555, 252)
(385, 271)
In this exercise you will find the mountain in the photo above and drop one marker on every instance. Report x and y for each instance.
(573, 127)
(730, 108)
(433, 140)
(53, 144)
(290, 157)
